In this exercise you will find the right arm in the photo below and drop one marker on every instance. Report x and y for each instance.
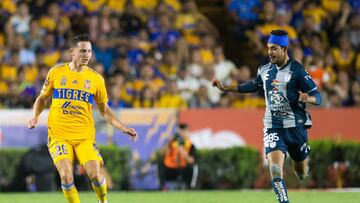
(40, 101)
(248, 87)
(39, 106)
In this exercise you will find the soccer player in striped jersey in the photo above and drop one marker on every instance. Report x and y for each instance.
(287, 87)
(74, 87)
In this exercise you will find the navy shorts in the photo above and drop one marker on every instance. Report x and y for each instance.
(291, 140)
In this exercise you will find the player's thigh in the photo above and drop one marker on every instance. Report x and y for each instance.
(60, 149)
(297, 142)
(65, 169)
(87, 150)
(274, 143)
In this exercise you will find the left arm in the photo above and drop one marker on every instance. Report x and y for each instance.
(109, 116)
(308, 91)
(313, 97)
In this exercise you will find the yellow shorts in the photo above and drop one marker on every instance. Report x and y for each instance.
(83, 150)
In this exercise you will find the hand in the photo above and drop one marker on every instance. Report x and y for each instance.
(186, 155)
(217, 83)
(32, 123)
(132, 133)
(303, 97)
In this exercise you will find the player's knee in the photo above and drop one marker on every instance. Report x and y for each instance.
(66, 176)
(95, 175)
(275, 171)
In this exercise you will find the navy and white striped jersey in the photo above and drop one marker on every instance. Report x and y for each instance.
(281, 87)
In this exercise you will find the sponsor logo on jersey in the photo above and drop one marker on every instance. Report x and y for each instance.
(69, 109)
(277, 83)
(281, 114)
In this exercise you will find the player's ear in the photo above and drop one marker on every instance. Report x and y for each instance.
(285, 49)
(71, 50)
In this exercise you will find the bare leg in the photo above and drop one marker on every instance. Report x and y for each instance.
(276, 161)
(93, 171)
(65, 169)
(301, 168)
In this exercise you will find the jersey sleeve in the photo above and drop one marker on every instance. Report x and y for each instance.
(101, 94)
(258, 80)
(251, 86)
(307, 85)
(48, 85)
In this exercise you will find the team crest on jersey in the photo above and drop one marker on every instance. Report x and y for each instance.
(75, 82)
(277, 98)
(87, 84)
(46, 83)
(63, 80)
(287, 78)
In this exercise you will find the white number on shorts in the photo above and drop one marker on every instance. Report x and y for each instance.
(270, 139)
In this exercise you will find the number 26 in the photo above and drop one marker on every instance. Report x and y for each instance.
(61, 149)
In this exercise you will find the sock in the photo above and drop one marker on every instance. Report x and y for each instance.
(101, 190)
(280, 190)
(70, 193)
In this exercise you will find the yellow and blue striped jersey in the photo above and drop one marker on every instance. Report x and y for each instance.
(73, 94)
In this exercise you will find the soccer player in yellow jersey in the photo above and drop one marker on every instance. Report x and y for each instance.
(74, 87)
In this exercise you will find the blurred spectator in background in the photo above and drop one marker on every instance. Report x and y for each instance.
(223, 67)
(225, 101)
(200, 98)
(245, 15)
(147, 98)
(187, 84)
(342, 87)
(26, 56)
(170, 98)
(170, 65)
(354, 31)
(49, 54)
(354, 99)
(148, 77)
(196, 65)
(344, 54)
(104, 53)
(130, 21)
(20, 21)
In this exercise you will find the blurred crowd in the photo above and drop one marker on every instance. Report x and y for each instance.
(164, 53)
(324, 36)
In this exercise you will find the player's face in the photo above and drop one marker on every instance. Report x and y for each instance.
(81, 54)
(276, 53)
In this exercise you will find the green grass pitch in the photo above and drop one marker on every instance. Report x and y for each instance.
(246, 196)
